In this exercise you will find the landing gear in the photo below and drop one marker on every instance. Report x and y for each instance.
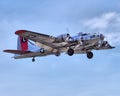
(33, 59)
(57, 53)
(70, 52)
(89, 55)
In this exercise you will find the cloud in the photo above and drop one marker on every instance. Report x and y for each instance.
(107, 23)
(103, 21)
(113, 38)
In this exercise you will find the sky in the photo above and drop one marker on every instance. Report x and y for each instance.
(64, 75)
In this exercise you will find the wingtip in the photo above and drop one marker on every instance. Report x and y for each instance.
(113, 46)
(19, 32)
(6, 50)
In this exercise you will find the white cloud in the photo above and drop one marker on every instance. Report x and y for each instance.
(108, 23)
(113, 38)
(103, 21)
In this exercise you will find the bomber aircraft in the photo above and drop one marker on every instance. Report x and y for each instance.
(43, 45)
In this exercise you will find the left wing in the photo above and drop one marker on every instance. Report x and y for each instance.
(43, 39)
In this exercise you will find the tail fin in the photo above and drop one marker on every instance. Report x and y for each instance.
(22, 44)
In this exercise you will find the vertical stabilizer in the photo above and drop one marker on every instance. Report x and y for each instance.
(22, 44)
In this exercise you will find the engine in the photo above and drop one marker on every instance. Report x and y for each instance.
(64, 37)
(101, 44)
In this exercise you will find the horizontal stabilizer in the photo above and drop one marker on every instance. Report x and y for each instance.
(17, 51)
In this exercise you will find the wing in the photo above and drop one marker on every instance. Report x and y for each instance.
(44, 40)
(107, 46)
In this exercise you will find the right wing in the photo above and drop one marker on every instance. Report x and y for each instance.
(44, 40)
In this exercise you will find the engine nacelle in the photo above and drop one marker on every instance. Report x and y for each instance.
(64, 37)
(105, 43)
(101, 44)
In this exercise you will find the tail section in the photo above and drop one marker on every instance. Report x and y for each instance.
(22, 47)
(22, 44)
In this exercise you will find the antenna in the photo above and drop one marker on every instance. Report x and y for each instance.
(67, 30)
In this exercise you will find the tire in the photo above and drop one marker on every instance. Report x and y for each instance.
(70, 52)
(89, 55)
(33, 59)
(57, 54)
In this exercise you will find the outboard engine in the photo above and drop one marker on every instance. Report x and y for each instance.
(64, 37)
(102, 44)
(105, 43)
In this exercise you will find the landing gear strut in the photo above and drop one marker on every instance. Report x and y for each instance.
(33, 59)
(57, 53)
(89, 55)
(70, 52)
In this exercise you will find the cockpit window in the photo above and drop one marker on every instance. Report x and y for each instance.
(84, 34)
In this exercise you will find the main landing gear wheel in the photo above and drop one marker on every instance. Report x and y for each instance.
(89, 55)
(33, 59)
(70, 52)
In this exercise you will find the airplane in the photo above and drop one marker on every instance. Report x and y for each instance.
(82, 43)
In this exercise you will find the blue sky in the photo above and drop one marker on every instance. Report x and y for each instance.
(64, 75)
